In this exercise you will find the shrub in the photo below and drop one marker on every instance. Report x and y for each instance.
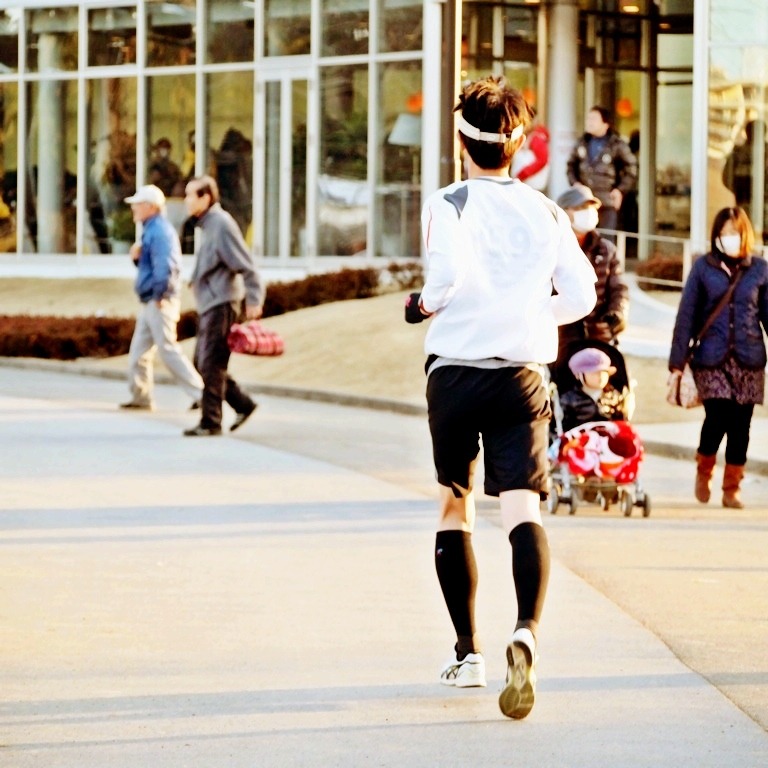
(320, 289)
(64, 338)
(67, 338)
(660, 268)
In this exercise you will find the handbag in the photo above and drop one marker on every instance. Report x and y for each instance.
(681, 386)
(252, 338)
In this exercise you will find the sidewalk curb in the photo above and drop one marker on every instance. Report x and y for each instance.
(655, 447)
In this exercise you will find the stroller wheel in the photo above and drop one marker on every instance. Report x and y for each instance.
(553, 500)
(605, 502)
(574, 501)
(627, 502)
(646, 505)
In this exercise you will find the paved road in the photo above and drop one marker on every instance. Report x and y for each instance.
(269, 600)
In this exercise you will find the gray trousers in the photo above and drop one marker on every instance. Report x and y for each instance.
(156, 331)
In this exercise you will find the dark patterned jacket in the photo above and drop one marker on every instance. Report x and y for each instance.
(614, 168)
(609, 317)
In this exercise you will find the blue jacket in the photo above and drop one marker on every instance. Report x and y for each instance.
(159, 265)
(737, 328)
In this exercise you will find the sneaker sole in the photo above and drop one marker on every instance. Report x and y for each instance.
(517, 698)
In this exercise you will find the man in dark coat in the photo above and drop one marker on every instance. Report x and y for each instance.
(603, 162)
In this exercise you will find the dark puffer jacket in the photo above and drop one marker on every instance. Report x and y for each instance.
(737, 328)
(609, 317)
(614, 168)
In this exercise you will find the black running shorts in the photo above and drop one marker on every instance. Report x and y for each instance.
(508, 407)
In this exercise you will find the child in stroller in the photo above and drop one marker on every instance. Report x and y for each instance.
(595, 452)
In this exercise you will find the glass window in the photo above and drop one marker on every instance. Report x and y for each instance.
(286, 27)
(230, 134)
(170, 33)
(398, 188)
(170, 140)
(52, 40)
(230, 30)
(111, 36)
(51, 144)
(738, 118)
(171, 145)
(342, 188)
(111, 165)
(284, 173)
(345, 27)
(401, 25)
(674, 105)
(9, 113)
(9, 41)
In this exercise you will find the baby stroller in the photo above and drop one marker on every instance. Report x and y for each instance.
(597, 461)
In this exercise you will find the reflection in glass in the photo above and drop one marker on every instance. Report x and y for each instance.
(51, 164)
(230, 125)
(342, 189)
(285, 169)
(738, 111)
(230, 25)
(111, 37)
(345, 29)
(398, 188)
(286, 27)
(299, 93)
(170, 130)
(400, 22)
(9, 113)
(112, 163)
(52, 40)
(9, 41)
(170, 33)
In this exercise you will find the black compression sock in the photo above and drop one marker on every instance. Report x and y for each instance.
(457, 573)
(530, 571)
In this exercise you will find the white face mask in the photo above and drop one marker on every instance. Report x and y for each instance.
(730, 245)
(585, 219)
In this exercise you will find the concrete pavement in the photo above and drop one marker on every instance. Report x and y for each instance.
(216, 602)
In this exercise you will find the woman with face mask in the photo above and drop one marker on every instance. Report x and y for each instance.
(609, 316)
(729, 362)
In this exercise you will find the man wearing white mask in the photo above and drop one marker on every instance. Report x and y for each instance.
(609, 317)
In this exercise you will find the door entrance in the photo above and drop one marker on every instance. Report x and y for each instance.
(283, 157)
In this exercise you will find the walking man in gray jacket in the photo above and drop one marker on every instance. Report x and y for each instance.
(224, 275)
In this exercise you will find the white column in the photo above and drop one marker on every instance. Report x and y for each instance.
(562, 81)
(50, 150)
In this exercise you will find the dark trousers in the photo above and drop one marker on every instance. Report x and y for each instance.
(608, 218)
(211, 360)
(726, 418)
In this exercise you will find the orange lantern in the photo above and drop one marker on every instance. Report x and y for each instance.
(624, 108)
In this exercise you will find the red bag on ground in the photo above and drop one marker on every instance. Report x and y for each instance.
(252, 338)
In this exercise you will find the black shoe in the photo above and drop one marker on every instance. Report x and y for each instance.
(201, 431)
(241, 418)
(133, 405)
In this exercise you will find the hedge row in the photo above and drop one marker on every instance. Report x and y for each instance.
(67, 338)
(660, 268)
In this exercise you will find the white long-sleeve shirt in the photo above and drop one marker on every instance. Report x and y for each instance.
(494, 250)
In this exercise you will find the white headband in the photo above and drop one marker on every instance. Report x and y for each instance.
(495, 138)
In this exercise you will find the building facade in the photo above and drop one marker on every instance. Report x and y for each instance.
(326, 122)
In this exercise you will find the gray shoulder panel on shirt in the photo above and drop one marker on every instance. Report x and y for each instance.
(458, 198)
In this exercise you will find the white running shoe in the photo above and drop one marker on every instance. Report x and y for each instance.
(517, 698)
(467, 673)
